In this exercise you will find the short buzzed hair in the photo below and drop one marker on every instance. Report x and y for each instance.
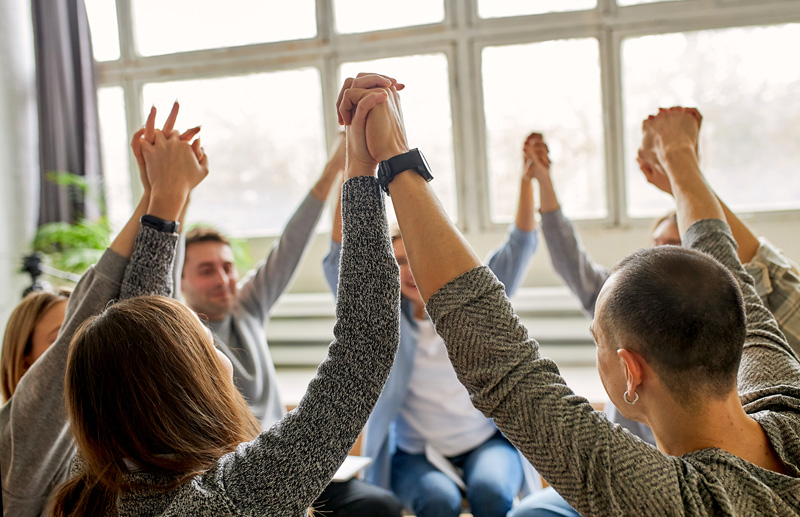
(683, 312)
(205, 234)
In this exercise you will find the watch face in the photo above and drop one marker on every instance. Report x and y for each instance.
(427, 173)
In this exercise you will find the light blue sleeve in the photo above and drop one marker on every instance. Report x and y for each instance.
(330, 266)
(510, 261)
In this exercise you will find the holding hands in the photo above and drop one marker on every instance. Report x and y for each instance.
(169, 166)
(536, 158)
(672, 129)
(369, 107)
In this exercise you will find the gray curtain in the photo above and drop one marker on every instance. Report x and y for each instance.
(67, 97)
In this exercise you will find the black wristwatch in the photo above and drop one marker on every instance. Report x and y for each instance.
(159, 224)
(412, 160)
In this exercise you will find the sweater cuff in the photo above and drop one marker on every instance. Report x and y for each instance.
(150, 269)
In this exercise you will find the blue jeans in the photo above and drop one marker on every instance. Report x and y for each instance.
(492, 473)
(544, 503)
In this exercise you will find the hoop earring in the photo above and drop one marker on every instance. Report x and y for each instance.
(631, 402)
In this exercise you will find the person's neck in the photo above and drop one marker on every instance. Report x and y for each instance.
(721, 424)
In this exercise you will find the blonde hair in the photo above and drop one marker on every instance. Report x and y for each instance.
(144, 383)
(17, 340)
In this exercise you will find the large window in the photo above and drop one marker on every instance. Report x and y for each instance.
(262, 77)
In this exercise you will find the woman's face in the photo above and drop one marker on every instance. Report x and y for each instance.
(46, 331)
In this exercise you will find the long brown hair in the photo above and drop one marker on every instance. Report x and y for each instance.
(144, 384)
(17, 340)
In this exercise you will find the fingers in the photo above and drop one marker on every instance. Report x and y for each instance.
(362, 81)
(366, 103)
(198, 151)
(351, 98)
(173, 116)
(150, 126)
(190, 133)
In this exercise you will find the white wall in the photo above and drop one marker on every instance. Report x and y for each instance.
(19, 164)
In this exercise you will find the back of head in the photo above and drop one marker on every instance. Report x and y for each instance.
(19, 333)
(683, 312)
(144, 384)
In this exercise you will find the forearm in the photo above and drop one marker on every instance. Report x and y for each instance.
(694, 198)
(149, 271)
(323, 186)
(747, 241)
(436, 250)
(548, 201)
(525, 211)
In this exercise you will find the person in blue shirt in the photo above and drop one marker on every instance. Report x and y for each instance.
(424, 424)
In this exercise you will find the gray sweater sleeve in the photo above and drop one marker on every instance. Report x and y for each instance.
(36, 442)
(150, 269)
(286, 468)
(583, 277)
(262, 287)
(599, 468)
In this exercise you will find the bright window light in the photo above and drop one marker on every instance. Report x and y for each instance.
(363, 15)
(747, 93)
(528, 88)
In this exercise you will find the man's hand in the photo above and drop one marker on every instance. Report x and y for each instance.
(357, 97)
(386, 132)
(536, 158)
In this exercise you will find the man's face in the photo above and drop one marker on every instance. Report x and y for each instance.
(667, 233)
(408, 287)
(209, 279)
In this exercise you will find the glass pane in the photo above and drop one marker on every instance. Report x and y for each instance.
(102, 16)
(364, 15)
(182, 25)
(426, 113)
(565, 107)
(502, 8)
(747, 93)
(265, 149)
(116, 157)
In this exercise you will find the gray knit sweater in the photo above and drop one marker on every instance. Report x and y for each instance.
(283, 471)
(599, 468)
(35, 442)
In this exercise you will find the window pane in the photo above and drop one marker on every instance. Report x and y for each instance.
(363, 16)
(426, 113)
(116, 157)
(102, 16)
(565, 106)
(747, 93)
(501, 8)
(265, 141)
(182, 25)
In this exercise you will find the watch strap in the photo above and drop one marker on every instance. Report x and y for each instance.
(159, 224)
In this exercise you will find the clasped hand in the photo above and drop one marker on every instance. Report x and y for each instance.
(369, 108)
(670, 129)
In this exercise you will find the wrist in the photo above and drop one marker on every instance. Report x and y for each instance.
(167, 206)
(360, 169)
(395, 151)
(676, 154)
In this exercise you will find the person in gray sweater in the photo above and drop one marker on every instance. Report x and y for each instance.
(703, 363)
(36, 445)
(167, 449)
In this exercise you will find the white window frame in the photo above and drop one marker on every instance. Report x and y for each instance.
(461, 37)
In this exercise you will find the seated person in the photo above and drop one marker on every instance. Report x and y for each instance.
(36, 445)
(684, 343)
(776, 280)
(32, 327)
(161, 429)
(237, 312)
(423, 405)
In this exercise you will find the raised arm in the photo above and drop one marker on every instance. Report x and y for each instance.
(767, 361)
(570, 260)
(574, 447)
(259, 291)
(303, 450)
